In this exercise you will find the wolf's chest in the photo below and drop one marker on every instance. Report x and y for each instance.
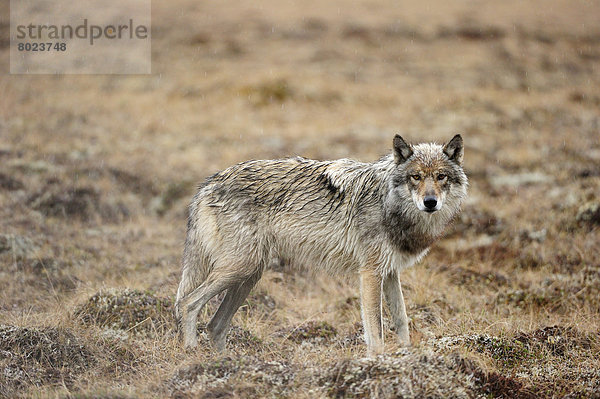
(409, 240)
(412, 234)
(400, 261)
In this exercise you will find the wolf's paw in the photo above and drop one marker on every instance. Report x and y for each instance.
(403, 339)
(218, 342)
(190, 341)
(375, 350)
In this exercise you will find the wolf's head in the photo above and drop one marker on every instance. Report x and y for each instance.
(430, 175)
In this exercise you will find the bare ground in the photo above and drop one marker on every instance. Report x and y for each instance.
(96, 172)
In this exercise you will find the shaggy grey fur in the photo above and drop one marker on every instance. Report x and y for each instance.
(339, 216)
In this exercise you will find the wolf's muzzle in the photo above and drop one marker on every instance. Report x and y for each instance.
(430, 203)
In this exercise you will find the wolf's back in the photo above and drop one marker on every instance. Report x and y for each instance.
(297, 209)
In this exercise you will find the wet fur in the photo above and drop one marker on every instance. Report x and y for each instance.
(342, 217)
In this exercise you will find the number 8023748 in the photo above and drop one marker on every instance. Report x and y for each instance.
(42, 46)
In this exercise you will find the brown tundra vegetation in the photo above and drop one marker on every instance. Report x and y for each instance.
(96, 173)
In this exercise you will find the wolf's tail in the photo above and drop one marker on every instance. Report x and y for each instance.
(196, 267)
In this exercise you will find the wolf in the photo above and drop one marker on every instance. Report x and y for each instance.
(370, 220)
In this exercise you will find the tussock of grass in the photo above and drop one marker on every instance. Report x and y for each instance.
(38, 356)
(269, 92)
(17, 246)
(589, 214)
(410, 373)
(133, 311)
(83, 203)
(312, 331)
(243, 376)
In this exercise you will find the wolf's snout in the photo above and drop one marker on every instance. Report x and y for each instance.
(430, 203)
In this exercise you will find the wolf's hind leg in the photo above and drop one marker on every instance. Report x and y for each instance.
(395, 301)
(236, 295)
(370, 306)
(191, 304)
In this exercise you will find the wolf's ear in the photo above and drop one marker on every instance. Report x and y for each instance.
(454, 149)
(402, 150)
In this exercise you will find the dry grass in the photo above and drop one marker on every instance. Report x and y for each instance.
(96, 171)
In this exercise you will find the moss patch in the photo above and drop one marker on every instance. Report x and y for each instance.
(409, 373)
(229, 377)
(315, 331)
(130, 310)
(37, 356)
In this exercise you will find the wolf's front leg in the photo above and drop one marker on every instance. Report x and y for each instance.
(370, 307)
(395, 301)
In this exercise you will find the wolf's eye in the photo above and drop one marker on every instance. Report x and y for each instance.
(416, 177)
(441, 176)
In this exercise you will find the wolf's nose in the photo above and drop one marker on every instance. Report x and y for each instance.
(430, 202)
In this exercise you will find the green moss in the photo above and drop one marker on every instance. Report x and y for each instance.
(508, 352)
(277, 91)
